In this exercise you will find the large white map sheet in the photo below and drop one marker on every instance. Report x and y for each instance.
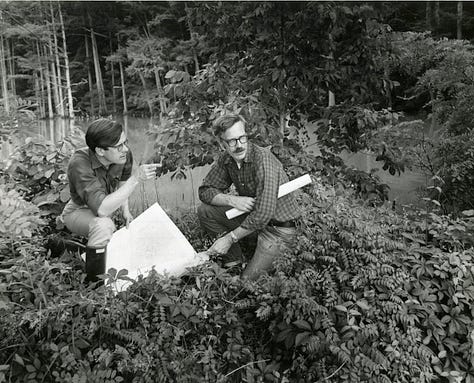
(152, 240)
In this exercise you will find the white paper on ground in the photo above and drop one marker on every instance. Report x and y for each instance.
(152, 240)
(284, 189)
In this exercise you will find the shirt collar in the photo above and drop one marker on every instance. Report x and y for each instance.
(94, 160)
(248, 156)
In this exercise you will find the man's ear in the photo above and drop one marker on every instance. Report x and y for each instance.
(99, 151)
(221, 143)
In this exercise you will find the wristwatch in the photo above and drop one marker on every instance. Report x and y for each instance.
(234, 238)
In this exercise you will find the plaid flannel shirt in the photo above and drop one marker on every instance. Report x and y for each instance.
(260, 176)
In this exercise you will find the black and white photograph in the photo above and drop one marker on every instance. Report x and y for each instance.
(236, 191)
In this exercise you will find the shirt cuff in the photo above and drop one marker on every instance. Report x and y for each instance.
(208, 194)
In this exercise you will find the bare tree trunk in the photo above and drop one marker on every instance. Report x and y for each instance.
(122, 82)
(48, 85)
(161, 93)
(89, 76)
(147, 93)
(98, 75)
(428, 15)
(331, 98)
(60, 106)
(11, 67)
(38, 93)
(3, 70)
(459, 21)
(41, 82)
(436, 13)
(112, 70)
(66, 66)
(52, 72)
(193, 37)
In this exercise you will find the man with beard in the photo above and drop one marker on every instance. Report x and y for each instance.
(256, 174)
(100, 181)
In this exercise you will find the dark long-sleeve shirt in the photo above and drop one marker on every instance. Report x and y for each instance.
(90, 181)
(260, 176)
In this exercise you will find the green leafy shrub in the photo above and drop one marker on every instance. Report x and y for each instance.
(442, 73)
(454, 161)
(19, 219)
(363, 298)
(38, 168)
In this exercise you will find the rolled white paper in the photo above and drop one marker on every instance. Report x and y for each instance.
(284, 189)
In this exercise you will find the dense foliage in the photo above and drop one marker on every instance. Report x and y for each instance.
(437, 82)
(368, 294)
(365, 296)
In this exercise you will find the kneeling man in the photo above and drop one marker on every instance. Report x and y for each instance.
(100, 181)
(256, 174)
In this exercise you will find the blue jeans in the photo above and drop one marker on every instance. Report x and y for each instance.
(272, 240)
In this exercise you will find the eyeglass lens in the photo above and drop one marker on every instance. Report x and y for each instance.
(120, 147)
(241, 139)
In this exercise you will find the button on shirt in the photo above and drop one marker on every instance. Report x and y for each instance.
(259, 176)
(90, 181)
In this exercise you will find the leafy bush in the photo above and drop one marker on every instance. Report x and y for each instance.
(442, 71)
(363, 297)
(454, 162)
(20, 219)
(38, 168)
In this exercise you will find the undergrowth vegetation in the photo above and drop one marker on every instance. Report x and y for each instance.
(366, 296)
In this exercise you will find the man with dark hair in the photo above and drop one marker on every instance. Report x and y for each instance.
(101, 179)
(256, 174)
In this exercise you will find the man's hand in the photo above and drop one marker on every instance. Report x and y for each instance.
(221, 246)
(146, 171)
(242, 203)
(127, 216)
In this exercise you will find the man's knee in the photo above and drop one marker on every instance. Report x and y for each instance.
(204, 212)
(100, 232)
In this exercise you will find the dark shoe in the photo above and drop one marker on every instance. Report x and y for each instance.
(95, 263)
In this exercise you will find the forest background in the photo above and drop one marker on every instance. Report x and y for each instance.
(373, 292)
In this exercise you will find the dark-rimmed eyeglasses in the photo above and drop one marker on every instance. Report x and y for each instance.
(233, 142)
(120, 147)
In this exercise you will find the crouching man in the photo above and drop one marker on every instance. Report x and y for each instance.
(101, 178)
(257, 175)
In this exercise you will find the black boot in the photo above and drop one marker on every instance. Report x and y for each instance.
(95, 263)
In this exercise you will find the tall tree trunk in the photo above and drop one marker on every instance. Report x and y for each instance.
(38, 92)
(122, 83)
(459, 21)
(147, 93)
(331, 98)
(112, 70)
(193, 36)
(3, 70)
(161, 94)
(11, 67)
(47, 77)
(436, 14)
(53, 77)
(428, 15)
(89, 76)
(66, 67)
(98, 74)
(60, 106)
(41, 100)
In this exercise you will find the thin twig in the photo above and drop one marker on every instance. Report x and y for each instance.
(335, 372)
(245, 365)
